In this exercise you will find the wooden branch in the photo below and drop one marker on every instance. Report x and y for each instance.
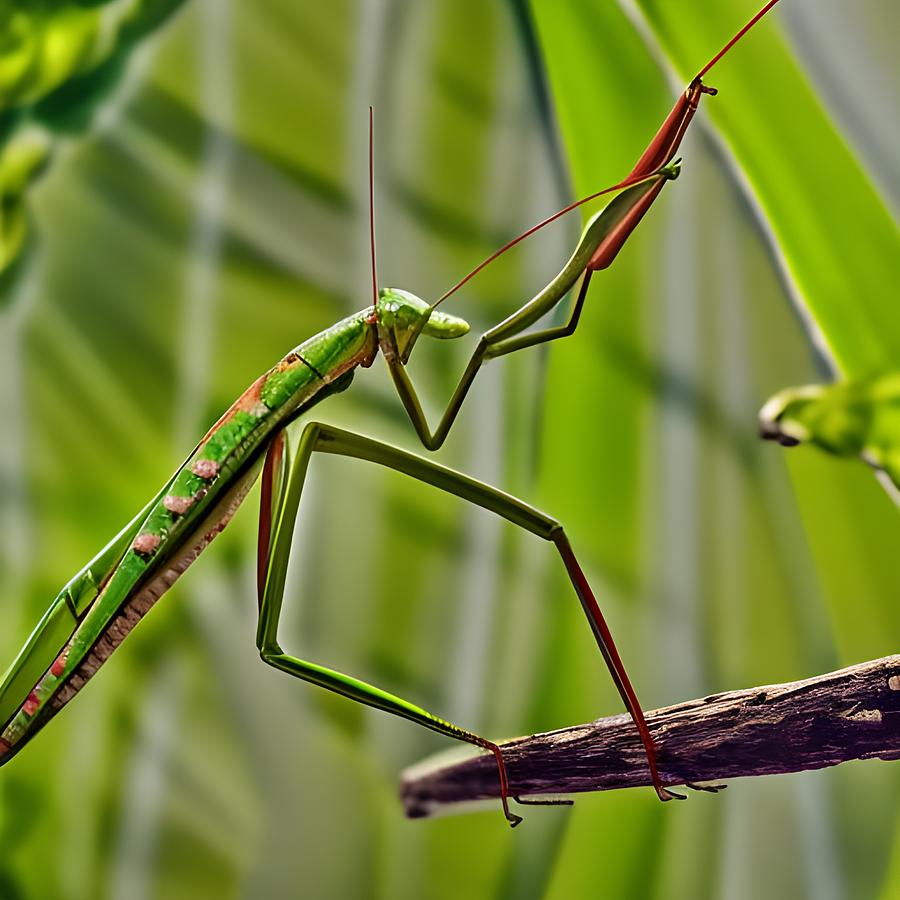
(850, 714)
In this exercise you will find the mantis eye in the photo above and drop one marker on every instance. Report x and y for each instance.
(443, 325)
(404, 313)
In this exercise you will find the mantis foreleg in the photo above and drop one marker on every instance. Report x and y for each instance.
(489, 347)
(602, 239)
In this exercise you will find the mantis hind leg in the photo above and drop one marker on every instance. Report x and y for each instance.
(317, 437)
(282, 485)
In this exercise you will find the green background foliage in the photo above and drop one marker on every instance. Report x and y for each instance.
(214, 216)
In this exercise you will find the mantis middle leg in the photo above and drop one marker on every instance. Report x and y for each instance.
(282, 488)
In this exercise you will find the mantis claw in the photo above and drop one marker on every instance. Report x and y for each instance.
(708, 788)
(550, 801)
(491, 747)
(665, 794)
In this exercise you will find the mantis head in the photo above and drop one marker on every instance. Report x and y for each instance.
(834, 417)
(402, 317)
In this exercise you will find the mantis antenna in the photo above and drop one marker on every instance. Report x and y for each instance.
(735, 39)
(372, 207)
(628, 182)
(674, 125)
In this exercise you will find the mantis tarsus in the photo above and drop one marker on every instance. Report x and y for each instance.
(96, 610)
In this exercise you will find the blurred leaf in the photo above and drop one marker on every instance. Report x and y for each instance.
(58, 62)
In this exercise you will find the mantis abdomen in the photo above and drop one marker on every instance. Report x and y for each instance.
(95, 612)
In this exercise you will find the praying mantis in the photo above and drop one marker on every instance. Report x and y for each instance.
(102, 603)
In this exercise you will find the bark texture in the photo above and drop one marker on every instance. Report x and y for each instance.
(850, 714)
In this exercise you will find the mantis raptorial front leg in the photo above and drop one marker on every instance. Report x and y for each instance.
(276, 533)
(600, 242)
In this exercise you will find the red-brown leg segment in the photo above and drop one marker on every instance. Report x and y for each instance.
(613, 660)
(272, 468)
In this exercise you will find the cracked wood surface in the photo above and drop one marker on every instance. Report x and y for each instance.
(853, 713)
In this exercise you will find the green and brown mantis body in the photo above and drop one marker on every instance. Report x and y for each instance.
(96, 610)
(102, 603)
